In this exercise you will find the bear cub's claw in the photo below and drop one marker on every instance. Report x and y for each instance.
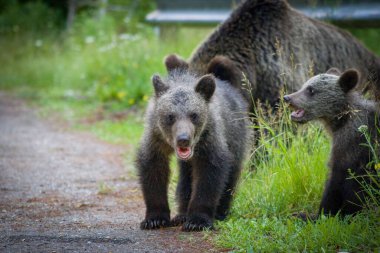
(197, 223)
(179, 219)
(154, 223)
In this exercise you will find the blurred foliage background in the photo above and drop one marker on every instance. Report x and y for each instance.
(104, 59)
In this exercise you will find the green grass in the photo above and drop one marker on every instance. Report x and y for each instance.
(281, 234)
(287, 176)
(94, 73)
(100, 66)
(127, 131)
(369, 37)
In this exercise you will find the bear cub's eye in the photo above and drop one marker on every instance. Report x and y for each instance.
(311, 91)
(194, 117)
(170, 118)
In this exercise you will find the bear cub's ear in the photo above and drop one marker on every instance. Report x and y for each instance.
(206, 87)
(224, 69)
(348, 80)
(334, 71)
(173, 62)
(159, 86)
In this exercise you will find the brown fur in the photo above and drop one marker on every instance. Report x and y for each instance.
(332, 100)
(276, 46)
(206, 116)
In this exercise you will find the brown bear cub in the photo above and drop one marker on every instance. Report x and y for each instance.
(202, 120)
(331, 98)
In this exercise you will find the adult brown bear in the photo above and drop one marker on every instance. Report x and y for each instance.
(274, 45)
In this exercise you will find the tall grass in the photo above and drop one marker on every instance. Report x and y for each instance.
(287, 175)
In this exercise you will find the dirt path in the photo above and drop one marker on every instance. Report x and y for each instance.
(50, 184)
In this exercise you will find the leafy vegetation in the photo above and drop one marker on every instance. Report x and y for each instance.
(93, 62)
(97, 75)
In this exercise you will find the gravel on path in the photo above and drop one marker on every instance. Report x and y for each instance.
(66, 191)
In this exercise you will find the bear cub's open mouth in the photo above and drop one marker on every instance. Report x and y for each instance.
(184, 153)
(297, 114)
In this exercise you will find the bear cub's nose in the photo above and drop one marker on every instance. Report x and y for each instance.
(287, 99)
(183, 140)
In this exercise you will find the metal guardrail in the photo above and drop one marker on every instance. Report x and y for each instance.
(353, 13)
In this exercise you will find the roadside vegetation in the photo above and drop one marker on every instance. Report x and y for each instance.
(97, 77)
(287, 176)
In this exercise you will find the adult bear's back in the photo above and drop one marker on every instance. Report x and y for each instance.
(275, 45)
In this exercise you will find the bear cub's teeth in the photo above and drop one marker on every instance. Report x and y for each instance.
(298, 113)
(184, 153)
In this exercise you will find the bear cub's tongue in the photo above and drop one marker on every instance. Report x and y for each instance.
(298, 114)
(183, 153)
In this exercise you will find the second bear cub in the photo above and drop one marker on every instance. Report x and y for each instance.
(202, 120)
(331, 98)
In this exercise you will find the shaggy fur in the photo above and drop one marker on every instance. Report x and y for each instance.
(275, 45)
(208, 117)
(331, 99)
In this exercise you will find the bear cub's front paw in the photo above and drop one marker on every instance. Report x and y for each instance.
(197, 223)
(155, 222)
(179, 219)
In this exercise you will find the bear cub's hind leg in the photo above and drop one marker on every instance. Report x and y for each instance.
(225, 201)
